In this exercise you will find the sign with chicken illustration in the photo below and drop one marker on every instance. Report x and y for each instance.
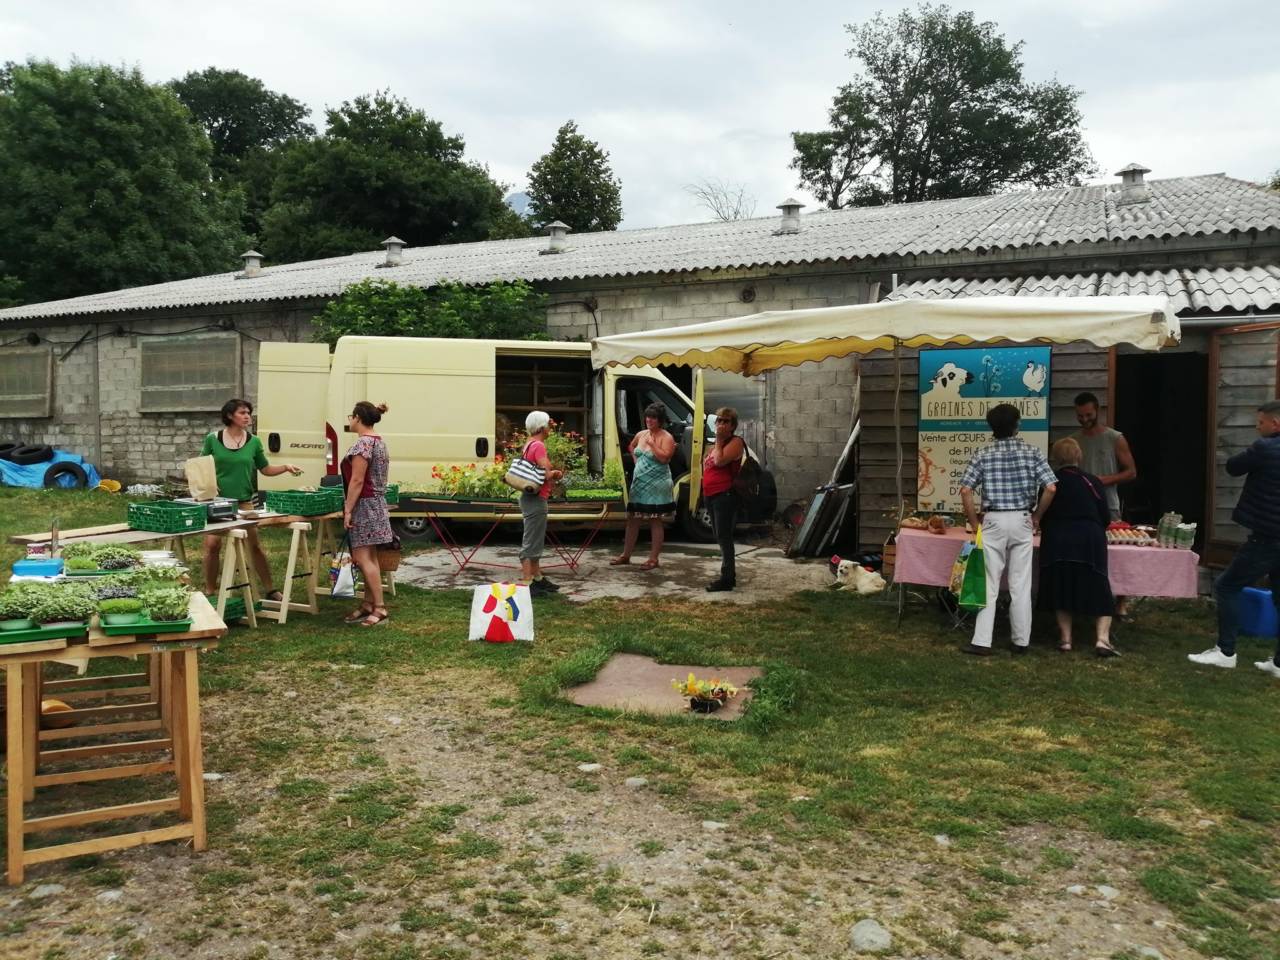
(957, 388)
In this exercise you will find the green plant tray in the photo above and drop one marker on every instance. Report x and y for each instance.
(306, 503)
(593, 495)
(144, 628)
(393, 493)
(165, 516)
(93, 573)
(42, 633)
(463, 497)
(235, 607)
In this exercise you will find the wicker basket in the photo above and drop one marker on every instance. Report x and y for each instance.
(166, 516)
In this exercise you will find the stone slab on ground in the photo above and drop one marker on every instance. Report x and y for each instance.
(686, 569)
(639, 684)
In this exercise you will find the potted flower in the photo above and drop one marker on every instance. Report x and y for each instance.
(705, 696)
(63, 607)
(166, 603)
(120, 610)
(16, 605)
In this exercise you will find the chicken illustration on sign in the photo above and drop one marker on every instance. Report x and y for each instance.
(957, 388)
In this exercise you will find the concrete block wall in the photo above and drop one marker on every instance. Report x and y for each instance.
(97, 388)
(808, 410)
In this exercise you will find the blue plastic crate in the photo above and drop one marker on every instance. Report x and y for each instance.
(1258, 613)
(38, 568)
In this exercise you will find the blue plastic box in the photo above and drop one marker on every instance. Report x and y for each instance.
(38, 568)
(1258, 613)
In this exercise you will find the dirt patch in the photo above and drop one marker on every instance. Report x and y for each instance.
(763, 573)
(563, 863)
(638, 684)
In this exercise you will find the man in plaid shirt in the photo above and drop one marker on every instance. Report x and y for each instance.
(1017, 487)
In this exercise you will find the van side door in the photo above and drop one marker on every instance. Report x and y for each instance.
(293, 382)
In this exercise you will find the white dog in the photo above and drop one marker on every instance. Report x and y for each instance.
(854, 576)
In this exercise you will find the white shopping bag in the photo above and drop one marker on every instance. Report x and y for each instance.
(342, 572)
(501, 613)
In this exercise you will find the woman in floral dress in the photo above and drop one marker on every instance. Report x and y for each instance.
(652, 497)
(364, 512)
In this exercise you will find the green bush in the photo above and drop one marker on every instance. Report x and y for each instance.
(120, 605)
(166, 603)
(63, 604)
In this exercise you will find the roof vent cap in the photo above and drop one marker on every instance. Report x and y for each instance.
(790, 216)
(252, 264)
(557, 234)
(1133, 188)
(395, 252)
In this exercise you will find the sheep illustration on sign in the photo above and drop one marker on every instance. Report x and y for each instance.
(957, 388)
(501, 613)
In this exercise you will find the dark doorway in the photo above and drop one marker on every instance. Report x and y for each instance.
(1162, 409)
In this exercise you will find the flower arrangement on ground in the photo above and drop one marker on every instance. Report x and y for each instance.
(705, 695)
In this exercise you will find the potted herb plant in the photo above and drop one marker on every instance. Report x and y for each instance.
(114, 556)
(63, 607)
(80, 565)
(119, 611)
(16, 606)
(166, 603)
(705, 696)
(114, 588)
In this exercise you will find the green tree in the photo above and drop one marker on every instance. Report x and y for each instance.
(574, 184)
(246, 123)
(942, 110)
(384, 308)
(381, 167)
(104, 183)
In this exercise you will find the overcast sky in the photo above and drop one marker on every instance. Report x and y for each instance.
(677, 92)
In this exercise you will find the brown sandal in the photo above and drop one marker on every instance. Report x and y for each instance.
(649, 565)
(375, 619)
(358, 614)
(620, 562)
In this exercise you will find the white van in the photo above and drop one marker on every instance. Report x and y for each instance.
(451, 401)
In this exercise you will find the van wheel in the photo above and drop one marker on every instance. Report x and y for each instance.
(696, 524)
(414, 528)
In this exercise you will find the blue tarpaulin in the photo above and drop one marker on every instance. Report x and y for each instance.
(32, 474)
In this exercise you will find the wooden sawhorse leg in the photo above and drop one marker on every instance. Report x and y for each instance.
(278, 610)
(235, 563)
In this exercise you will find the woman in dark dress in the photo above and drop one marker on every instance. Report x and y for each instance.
(1073, 551)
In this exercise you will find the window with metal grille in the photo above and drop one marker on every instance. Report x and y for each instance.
(189, 374)
(26, 382)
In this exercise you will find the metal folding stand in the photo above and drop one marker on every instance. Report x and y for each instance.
(465, 557)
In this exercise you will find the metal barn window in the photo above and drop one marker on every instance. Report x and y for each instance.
(189, 374)
(26, 383)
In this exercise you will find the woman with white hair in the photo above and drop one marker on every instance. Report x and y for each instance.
(533, 506)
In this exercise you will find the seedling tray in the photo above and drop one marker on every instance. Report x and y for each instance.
(95, 573)
(43, 633)
(145, 628)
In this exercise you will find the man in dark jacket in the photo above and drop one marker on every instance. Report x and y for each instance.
(1259, 512)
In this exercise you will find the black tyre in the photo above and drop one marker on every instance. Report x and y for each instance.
(695, 524)
(30, 454)
(414, 528)
(66, 469)
(8, 448)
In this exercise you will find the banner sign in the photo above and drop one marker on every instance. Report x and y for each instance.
(957, 388)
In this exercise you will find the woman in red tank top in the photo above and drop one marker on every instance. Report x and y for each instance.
(719, 469)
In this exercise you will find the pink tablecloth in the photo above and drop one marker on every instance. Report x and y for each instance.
(926, 558)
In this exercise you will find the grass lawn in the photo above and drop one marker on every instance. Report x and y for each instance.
(865, 741)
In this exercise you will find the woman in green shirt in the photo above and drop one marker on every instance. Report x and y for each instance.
(238, 457)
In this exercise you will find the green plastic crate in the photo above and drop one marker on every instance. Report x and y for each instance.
(306, 503)
(166, 516)
(393, 493)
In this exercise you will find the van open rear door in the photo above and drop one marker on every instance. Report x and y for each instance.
(293, 384)
(699, 441)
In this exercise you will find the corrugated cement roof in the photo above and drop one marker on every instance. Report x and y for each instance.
(1189, 291)
(1185, 206)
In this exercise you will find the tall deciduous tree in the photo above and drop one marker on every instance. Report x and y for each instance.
(574, 184)
(942, 110)
(382, 167)
(104, 183)
(246, 123)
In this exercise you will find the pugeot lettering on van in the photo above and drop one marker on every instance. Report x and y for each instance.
(306, 446)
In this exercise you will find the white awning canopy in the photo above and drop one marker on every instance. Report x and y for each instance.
(766, 341)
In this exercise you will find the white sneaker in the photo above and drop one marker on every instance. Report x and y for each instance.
(1268, 666)
(1213, 657)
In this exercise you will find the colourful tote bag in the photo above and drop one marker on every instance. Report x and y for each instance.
(501, 613)
(972, 594)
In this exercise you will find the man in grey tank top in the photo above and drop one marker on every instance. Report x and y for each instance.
(1106, 452)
